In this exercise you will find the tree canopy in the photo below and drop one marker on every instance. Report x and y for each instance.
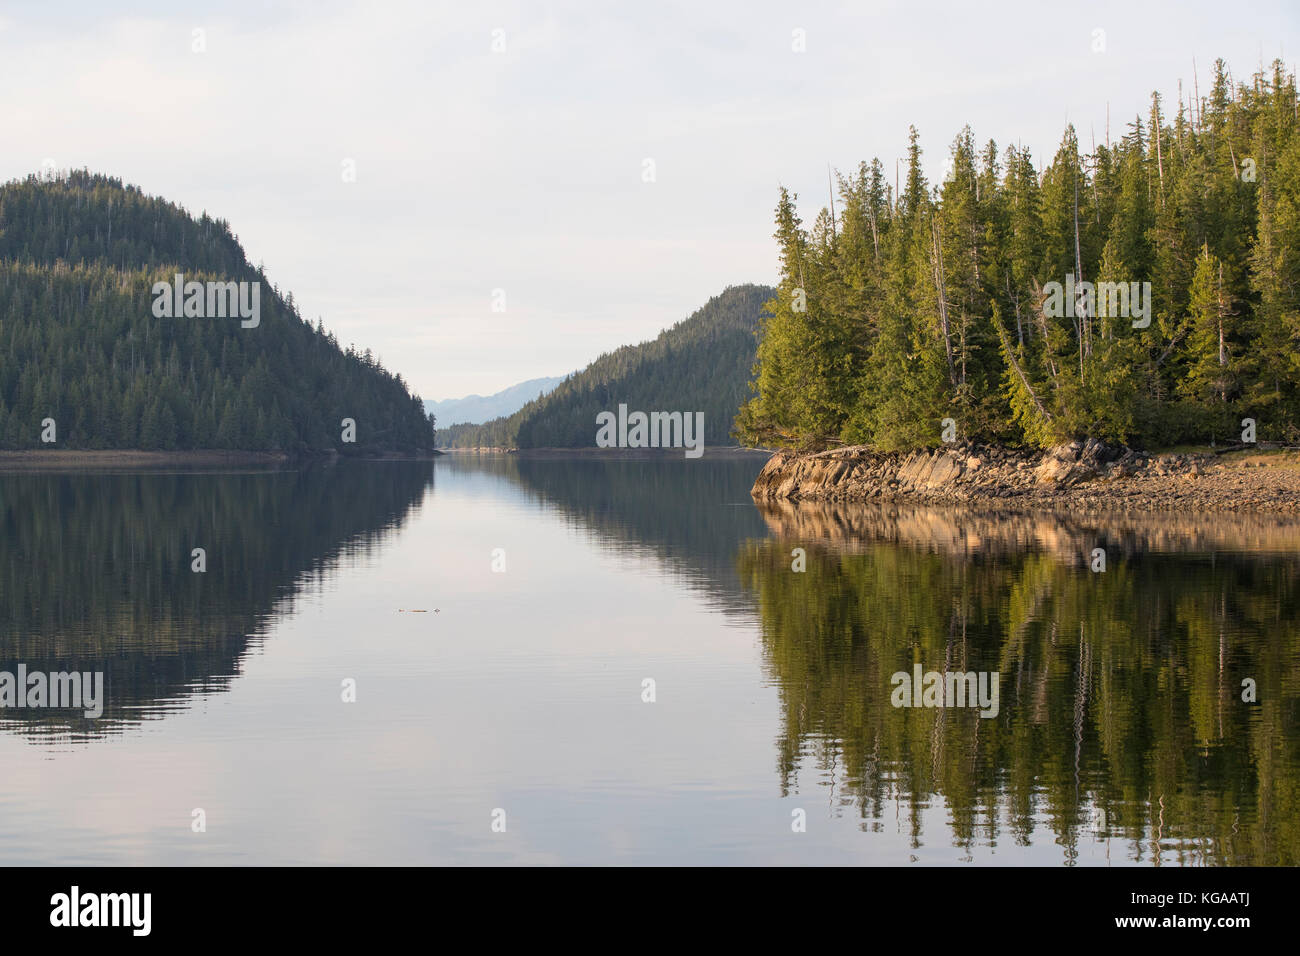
(904, 307)
(701, 364)
(79, 343)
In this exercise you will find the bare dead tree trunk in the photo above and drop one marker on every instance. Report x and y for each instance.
(1196, 88)
(1020, 374)
(941, 291)
(1047, 352)
(1221, 311)
(1160, 162)
(1083, 326)
(831, 189)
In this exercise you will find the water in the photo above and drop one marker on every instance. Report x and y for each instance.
(1121, 736)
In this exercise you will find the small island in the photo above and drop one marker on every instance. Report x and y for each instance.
(1119, 325)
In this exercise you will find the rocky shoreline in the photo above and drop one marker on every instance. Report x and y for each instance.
(1084, 474)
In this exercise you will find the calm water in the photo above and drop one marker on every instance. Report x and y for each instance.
(1121, 736)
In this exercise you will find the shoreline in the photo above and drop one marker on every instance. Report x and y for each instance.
(67, 459)
(1079, 475)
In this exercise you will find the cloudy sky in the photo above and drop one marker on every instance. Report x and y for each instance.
(523, 169)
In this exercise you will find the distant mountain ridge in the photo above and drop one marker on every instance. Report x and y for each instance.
(477, 409)
(702, 364)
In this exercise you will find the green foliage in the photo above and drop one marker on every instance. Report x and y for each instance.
(701, 364)
(932, 304)
(79, 342)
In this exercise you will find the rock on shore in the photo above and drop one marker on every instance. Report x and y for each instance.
(1086, 473)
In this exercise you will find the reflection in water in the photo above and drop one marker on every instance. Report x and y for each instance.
(1121, 734)
(1121, 691)
(95, 574)
(688, 514)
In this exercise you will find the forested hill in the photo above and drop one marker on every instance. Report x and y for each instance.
(701, 364)
(954, 301)
(80, 342)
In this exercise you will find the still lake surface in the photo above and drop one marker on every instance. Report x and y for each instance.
(1121, 736)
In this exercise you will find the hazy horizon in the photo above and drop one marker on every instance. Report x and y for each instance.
(522, 170)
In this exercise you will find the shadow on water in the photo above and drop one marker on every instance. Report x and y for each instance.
(95, 574)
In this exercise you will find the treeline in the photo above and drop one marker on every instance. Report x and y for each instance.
(701, 364)
(79, 343)
(902, 307)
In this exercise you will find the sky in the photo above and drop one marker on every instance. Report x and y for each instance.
(484, 193)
